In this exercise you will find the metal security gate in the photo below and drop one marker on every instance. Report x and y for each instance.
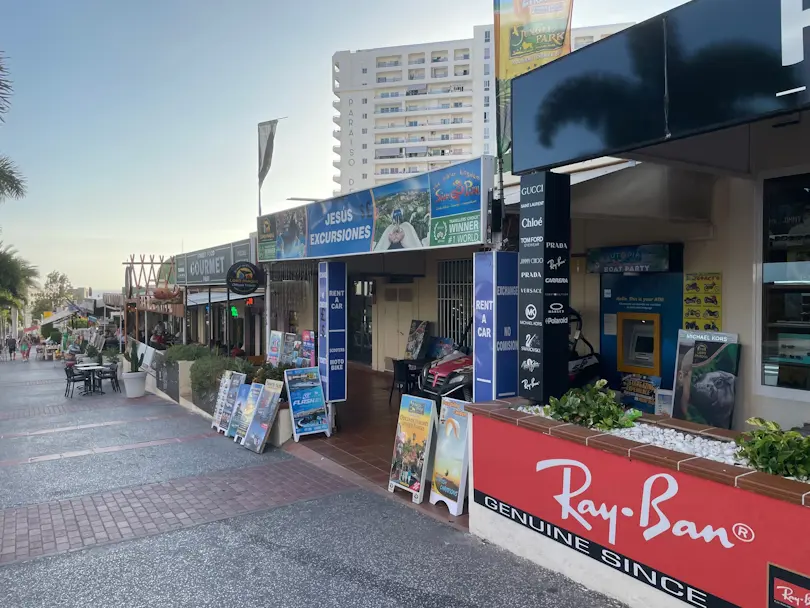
(455, 296)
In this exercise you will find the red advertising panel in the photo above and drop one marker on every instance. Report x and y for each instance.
(704, 543)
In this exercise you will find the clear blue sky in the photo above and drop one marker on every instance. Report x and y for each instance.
(135, 122)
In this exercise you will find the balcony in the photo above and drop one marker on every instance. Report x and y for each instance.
(386, 141)
(336, 119)
(438, 59)
(336, 104)
(388, 64)
(336, 164)
(465, 107)
(388, 110)
(416, 62)
(388, 95)
(337, 192)
(336, 179)
(453, 124)
(463, 57)
(336, 149)
(336, 134)
(384, 79)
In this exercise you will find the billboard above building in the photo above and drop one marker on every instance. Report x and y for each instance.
(444, 208)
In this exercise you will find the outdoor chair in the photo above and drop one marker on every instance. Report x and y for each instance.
(73, 378)
(111, 374)
(402, 378)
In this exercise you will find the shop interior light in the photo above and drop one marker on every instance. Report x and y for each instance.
(234, 312)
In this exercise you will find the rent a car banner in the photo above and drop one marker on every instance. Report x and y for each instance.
(443, 208)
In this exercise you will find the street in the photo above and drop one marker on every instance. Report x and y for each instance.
(135, 503)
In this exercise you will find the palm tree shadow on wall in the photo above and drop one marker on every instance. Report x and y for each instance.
(718, 85)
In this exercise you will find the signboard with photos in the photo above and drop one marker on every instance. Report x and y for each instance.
(260, 425)
(703, 301)
(308, 409)
(410, 460)
(450, 464)
(443, 208)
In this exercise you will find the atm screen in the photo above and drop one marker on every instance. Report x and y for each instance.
(644, 344)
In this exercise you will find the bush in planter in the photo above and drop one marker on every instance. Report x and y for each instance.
(591, 407)
(270, 372)
(55, 335)
(206, 373)
(111, 354)
(772, 450)
(91, 352)
(186, 352)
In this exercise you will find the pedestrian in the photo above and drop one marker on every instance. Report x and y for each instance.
(25, 349)
(11, 343)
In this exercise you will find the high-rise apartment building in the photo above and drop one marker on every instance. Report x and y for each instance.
(410, 109)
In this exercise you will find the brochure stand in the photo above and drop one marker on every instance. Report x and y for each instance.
(263, 418)
(222, 395)
(223, 420)
(411, 457)
(245, 416)
(450, 464)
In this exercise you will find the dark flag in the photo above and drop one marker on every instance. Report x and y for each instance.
(267, 134)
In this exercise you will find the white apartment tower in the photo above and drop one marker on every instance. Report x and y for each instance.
(415, 108)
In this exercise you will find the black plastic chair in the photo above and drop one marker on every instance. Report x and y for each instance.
(111, 374)
(402, 378)
(74, 378)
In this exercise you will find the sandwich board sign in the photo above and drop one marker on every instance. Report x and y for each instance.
(308, 408)
(226, 414)
(248, 409)
(410, 461)
(449, 483)
(258, 429)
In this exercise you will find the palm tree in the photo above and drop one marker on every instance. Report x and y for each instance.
(12, 183)
(17, 277)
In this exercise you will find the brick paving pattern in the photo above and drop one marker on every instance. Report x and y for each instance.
(72, 524)
(93, 425)
(58, 409)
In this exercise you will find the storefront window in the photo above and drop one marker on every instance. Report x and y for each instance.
(786, 283)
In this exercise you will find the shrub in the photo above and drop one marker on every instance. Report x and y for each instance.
(112, 354)
(135, 361)
(55, 335)
(186, 352)
(592, 407)
(771, 450)
(92, 351)
(270, 372)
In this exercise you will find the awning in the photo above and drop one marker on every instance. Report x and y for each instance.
(388, 152)
(201, 299)
(57, 317)
(417, 87)
(416, 150)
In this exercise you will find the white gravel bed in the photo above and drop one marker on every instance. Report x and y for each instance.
(711, 449)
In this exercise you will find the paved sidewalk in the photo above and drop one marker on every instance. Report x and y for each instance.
(135, 503)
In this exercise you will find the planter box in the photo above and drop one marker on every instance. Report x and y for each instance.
(184, 369)
(645, 525)
(282, 430)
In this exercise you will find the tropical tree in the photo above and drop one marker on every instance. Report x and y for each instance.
(12, 183)
(17, 277)
(56, 292)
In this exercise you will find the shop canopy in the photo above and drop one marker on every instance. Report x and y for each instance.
(201, 299)
(57, 317)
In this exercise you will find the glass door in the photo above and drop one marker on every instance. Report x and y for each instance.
(361, 296)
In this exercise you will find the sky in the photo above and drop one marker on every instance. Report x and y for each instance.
(134, 123)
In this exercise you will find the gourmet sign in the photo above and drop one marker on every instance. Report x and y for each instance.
(701, 542)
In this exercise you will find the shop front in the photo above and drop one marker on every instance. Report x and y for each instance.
(394, 276)
(695, 256)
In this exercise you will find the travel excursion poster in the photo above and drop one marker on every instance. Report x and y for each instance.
(409, 463)
(443, 208)
(452, 457)
(308, 409)
(248, 409)
(703, 301)
(236, 413)
(222, 396)
(274, 348)
(228, 406)
(264, 416)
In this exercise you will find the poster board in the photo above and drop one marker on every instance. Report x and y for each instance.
(306, 354)
(703, 301)
(224, 420)
(706, 378)
(245, 415)
(449, 483)
(411, 458)
(274, 348)
(222, 395)
(639, 391)
(308, 409)
(417, 340)
(288, 352)
(241, 400)
(263, 418)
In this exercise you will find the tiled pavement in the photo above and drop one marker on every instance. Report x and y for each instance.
(75, 523)
(106, 501)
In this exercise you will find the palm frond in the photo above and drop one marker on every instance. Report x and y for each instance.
(12, 183)
(5, 88)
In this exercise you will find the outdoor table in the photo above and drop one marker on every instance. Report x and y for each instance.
(93, 369)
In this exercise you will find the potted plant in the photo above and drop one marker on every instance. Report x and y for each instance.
(134, 379)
